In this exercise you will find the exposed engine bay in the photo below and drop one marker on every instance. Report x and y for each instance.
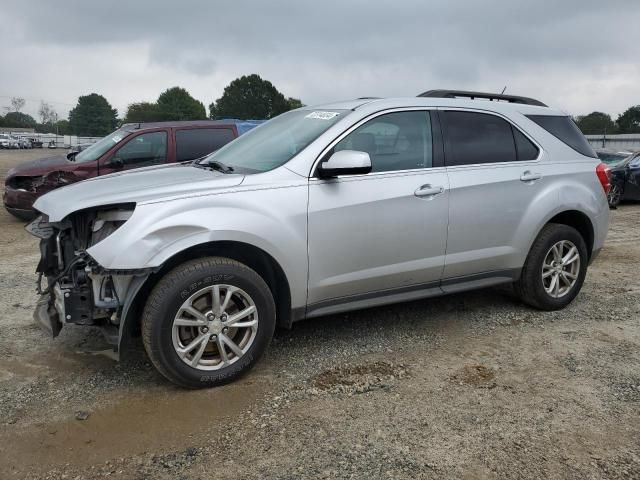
(73, 287)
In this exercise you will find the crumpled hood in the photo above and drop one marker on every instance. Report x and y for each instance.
(41, 166)
(141, 185)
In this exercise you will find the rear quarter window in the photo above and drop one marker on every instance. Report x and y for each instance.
(198, 142)
(565, 130)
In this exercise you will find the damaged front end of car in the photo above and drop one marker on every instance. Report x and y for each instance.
(73, 287)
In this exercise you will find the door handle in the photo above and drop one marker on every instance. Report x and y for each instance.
(529, 176)
(428, 191)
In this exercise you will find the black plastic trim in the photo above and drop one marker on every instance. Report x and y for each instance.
(483, 95)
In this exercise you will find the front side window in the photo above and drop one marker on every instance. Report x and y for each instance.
(144, 150)
(394, 141)
(198, 142)
(474, 138)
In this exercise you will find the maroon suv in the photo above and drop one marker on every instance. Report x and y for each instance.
(132, 146)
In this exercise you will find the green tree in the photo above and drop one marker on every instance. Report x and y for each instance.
(294, 103)
(19, 120)
(143, 112)
(93, 116)
(249, 97)
(62, 127)
(629, 121)
(596, 123)
(176, 104)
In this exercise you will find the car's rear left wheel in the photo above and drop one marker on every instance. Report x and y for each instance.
(207, 322)
(555, 268)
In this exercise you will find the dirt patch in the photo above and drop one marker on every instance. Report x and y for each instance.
(475, 375)
(353, 379)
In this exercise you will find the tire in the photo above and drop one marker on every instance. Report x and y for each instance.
(184, 286)
(532, 289)
(615, 195)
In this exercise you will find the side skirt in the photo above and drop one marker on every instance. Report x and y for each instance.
(405, 294)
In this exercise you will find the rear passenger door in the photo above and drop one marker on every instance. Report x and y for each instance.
(192, 143)
(494, 177)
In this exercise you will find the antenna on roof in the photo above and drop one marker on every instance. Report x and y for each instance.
(503, 90)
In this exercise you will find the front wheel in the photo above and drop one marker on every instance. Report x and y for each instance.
(207, 322)
(555, 268)
(615, 195)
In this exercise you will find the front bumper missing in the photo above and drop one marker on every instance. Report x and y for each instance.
(46, 316)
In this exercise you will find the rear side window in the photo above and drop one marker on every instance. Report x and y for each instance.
(198, 142)
(473, 138)
(526, 149)
(565, 130)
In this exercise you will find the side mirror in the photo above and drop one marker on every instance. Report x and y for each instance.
(345, 162)
(115, 163)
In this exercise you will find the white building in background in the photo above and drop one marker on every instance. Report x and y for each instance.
(624, 141)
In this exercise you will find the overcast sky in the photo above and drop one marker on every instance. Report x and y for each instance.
(577, 55)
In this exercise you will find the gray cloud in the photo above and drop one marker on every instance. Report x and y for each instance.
(578, 55)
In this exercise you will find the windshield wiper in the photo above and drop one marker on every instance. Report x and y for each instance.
(219, 166)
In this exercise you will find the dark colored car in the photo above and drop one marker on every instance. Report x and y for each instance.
(35, 143)
(625, 180)
(131, 146)
(611, 157)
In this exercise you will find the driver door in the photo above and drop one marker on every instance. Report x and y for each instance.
(383, 233)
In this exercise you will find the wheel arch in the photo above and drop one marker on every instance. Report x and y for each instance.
(578, 220)
(254, 257)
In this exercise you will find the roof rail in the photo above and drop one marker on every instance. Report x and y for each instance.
(486, 96)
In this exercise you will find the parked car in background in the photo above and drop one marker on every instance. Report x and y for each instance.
(320, 211)
(35, 143)
(131, 146)
(5, 141)
(9, 141)
(611, 157)
(25, 143)
(625, 180)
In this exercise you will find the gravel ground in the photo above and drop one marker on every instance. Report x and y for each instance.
(468, 386)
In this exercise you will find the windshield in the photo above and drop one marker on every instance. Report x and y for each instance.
(96, 150)
(275, 142)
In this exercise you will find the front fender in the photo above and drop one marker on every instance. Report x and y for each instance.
(273, 220)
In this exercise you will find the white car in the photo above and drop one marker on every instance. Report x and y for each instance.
(9, 141)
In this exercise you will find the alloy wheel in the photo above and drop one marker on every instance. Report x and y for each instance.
(561, 268)
(215, 327)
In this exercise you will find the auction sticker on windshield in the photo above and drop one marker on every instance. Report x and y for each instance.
(322, 115)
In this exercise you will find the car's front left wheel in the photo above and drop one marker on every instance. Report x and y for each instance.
(208, 321)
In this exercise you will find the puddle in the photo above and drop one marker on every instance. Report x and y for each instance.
(149, 422)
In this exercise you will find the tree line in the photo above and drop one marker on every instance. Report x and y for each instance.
(599, 123)
(247, 97)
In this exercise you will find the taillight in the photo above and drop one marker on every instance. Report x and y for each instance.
(604, 175)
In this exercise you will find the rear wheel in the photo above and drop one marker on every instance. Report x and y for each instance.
(207, 322)
(555, 268)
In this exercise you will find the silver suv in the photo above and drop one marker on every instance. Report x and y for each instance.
(322, 210)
